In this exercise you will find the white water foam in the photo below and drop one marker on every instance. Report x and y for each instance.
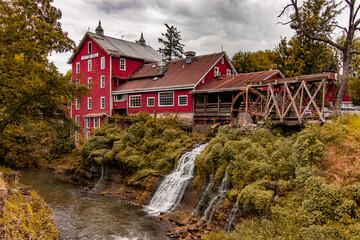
(172, 188)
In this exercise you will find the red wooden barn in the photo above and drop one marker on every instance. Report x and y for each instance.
(129, 77)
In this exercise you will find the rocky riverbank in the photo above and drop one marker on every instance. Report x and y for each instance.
(24, 214)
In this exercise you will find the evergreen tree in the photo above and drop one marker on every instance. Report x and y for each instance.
(172, 46)
(301, 56)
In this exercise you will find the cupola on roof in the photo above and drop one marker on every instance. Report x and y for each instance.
(99, 30)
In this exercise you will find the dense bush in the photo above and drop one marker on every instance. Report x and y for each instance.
(279, 180)
(149, 145)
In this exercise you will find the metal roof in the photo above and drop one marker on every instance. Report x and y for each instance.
(121, 48)
(237, 81)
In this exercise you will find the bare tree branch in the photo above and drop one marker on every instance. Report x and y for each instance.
(284, 9)
(356, 12)
(342, 28)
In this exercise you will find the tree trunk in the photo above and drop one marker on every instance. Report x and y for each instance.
(343, 84)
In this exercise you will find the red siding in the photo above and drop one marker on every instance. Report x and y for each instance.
(211, 75)
(131, 66)
(159, 109)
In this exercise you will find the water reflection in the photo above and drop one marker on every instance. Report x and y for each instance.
(79, 215)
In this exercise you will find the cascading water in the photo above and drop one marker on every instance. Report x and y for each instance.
(210, 210)
(232, 217)
(172, 188)
(101, 177)
(204, 194)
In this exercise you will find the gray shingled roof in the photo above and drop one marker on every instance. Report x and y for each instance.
(121, 48)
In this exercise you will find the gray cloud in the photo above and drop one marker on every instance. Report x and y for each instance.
(205, 25)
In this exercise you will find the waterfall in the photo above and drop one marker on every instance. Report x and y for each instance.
(215, 202)
(204, 194)
(172, 188)
(101, 177)
(232, 217)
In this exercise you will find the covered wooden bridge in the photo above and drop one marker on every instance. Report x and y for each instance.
(255, 97)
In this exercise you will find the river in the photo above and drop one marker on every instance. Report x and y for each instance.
(79, 215)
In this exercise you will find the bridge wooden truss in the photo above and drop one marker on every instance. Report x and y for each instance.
(285, 100)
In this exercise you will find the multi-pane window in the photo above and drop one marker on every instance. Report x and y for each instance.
(89, 65)
(102, 102)
(77, 67)
(119, 98)
(183, 100)
(122, 64)
(89, 103)
(77, 118)
(166, 99)
(216, 72)
(102, 64)
(135, 101)
(96, 122)
(228, 72)
(222, 60)
(87, 123)
(89, 82)
(102, 81)
(77, 81)
(77, 104)
(151, 102)
(88, 134)
(89, 47)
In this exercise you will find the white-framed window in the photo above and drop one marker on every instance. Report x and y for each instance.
(216, 71)
(228, 72)
(89, 47)
(151, 102)
(89, 102)
(122, 64)
(119, 98)
(183, 100)
(77, 81)
(77, 119)
(102, 64)
(102, 102)
(87, 123)
(102, 81)
(89, 82)
(78, 67)
(166, 99)
(77, 104)
(135, 101)
(88, 134)
(96, 122)
(89, 65)
(222, 60)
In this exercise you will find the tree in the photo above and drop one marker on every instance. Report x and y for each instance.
(30, 31)
(301, 56)
(316, 19)
(172, 46)
(245, 62)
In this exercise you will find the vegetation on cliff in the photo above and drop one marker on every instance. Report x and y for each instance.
(24, 214)
(302, 186)
(149, 145)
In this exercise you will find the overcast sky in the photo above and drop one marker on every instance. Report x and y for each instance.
(205, 25)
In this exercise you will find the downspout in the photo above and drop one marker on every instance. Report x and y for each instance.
(111, 100)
